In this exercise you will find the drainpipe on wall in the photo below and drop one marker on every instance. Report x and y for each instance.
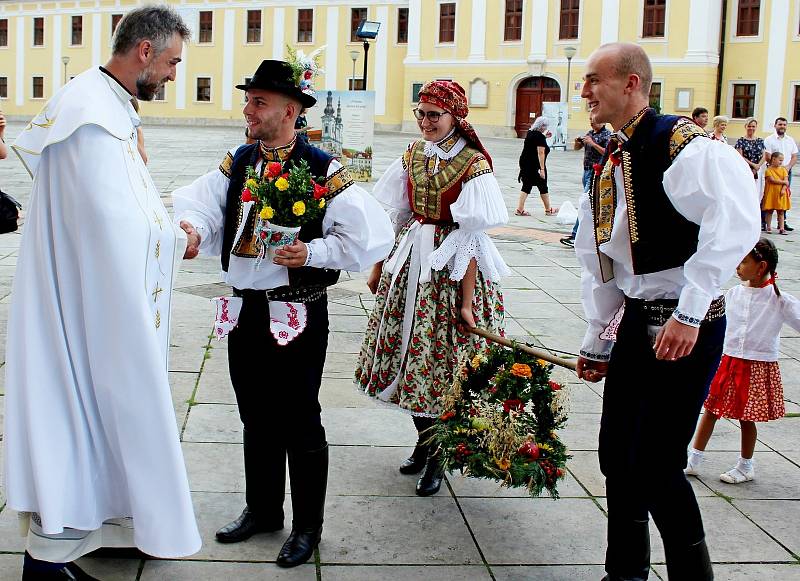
(723, 31)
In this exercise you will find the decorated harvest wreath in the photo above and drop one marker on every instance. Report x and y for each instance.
(500, 419)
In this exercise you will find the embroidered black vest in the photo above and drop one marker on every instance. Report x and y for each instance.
(246, 246)
(661, 238)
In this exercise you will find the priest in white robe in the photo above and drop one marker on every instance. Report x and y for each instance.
(92, 453)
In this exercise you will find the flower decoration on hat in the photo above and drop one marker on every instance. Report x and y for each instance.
(305, 68)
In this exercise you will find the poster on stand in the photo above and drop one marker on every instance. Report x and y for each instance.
(556, 113)
(342, 123)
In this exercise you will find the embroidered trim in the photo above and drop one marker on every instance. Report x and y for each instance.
(337, 182)
(626, 131)
(633, 226)
(686, 319)
(309, 254)
(247, 244)
(449, 142)
(226, 165)
(479, 167)
(684, 132)
(595, 356)
(281, 153)
(428, 184)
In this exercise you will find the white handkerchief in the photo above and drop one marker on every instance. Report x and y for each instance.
(228, 309)
(287, 320)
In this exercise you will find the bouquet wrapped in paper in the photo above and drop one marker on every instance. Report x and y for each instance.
(499, 421)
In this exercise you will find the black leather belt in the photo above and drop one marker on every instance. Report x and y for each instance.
(287, 294)
(659, 311)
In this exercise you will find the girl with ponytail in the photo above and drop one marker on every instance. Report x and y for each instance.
(747, 386)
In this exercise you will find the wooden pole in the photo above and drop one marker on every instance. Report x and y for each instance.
(554, 359)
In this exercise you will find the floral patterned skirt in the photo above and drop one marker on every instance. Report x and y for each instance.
(413, 376)
(746, 390)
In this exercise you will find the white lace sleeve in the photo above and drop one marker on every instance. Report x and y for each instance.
(479, 207)
(391, 190)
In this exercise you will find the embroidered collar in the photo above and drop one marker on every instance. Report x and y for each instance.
(626, 131)
(447, 148)
(280, 154)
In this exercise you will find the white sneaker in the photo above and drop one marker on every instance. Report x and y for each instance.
(736, 476)
(692, 464)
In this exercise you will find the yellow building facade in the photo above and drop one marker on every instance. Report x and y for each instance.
(509, 55)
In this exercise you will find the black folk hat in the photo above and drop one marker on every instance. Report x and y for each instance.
(278, 76)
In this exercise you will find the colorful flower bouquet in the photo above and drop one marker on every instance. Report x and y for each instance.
(499, 421)
(284, 201)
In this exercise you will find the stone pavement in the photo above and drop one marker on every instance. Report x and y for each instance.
(375, 527)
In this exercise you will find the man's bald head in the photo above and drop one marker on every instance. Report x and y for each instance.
(629, 59)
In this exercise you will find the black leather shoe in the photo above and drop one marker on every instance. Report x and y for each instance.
(70, 571)
(245, 527)
(299, 547)
(787, 228)
(431, 480)
(308, 475)
(416, 462)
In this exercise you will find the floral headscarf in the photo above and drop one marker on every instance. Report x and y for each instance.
(451, 97)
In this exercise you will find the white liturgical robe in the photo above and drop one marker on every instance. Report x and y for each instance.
(90, 429)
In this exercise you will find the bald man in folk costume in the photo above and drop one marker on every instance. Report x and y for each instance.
(669, 216)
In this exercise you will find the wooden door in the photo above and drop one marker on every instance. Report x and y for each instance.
(531, 93)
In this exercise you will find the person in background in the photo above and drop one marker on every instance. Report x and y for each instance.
(700, 117)
(748, 386)
(719, 125)
(782, 143)
(776, 193)
(751, 148)
(532, 170)
(594, 144)
(3, 147)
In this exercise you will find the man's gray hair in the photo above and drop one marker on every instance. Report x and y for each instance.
(541, 124)
(157, 23)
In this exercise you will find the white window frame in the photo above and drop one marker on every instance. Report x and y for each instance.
(640, 26)
(796, 23)
(557, 25)
(33, 33)
(397, 25)
(44, 87)
(246, 42)
(83, 30)
(438, 24)
(313, 23)
(793, 87)
(756, 102)
(213, 28)
(349, 23)
(210, 78)
(8, 33)
(7, 88)
(733, 18)
(111, 29)
(502, 32)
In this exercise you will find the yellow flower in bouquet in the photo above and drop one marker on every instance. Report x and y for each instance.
(322, 203)
(299, 208)
(266, 213)
(521, 370)
(542, 363)
(251, 184)
(282, 184)
(502, 463)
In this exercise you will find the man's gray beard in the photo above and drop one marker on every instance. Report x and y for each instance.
(146, 89)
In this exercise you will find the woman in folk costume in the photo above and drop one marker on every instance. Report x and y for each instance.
(443, 269)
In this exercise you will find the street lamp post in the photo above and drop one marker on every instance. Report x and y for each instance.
(569, 52)
(354, 58)
(367, 30)
(65, 60)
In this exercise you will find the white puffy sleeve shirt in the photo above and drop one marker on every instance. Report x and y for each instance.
(708, 184)
(755, 317)
(479, 207)
(356, 231)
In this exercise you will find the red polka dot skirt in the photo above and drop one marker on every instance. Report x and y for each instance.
(746, 390)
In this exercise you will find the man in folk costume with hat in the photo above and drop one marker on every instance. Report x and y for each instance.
(670, 216)
(277, 382)
(91, 447)
(443, 269)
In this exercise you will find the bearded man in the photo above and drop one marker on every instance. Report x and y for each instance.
(91, 445)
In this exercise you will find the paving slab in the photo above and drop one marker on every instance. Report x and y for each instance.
(780, 518)
(212, 571)
(405, 573)
(748, 572)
